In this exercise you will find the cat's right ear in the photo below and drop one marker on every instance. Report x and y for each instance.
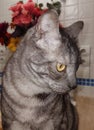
(74, 29)
(48, 22)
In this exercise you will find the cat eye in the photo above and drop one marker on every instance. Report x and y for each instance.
(60, 67)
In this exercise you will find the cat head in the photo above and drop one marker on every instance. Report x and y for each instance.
(56, 56)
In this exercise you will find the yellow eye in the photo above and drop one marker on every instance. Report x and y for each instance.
(60, 67)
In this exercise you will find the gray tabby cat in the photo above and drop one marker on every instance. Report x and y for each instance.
(39, 76)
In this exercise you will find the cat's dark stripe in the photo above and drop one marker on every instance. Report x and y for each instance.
(64, 120)
(42, 96)
(11, 100)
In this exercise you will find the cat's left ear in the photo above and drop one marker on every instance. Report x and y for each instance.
(48, 22)
(74, 29)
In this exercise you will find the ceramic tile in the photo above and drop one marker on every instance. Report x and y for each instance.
(71, 12)
(85, 82)
(69, 22)
(70, 2)
(92, 70)
(11, 2)
(85, 1)
(86, 10)
(92, 55)
(88, 25)
(86, 39)
(83, 72)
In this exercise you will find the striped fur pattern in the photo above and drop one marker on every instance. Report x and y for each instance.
(35, 95)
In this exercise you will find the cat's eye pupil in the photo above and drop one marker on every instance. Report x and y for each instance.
(60, 67)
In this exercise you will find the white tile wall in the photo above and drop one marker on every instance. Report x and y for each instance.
(92, 56)
(84, 1)
(82, 10)
(69, 12)
(71, 2)
(86, 10)
(5, 14)
(89, 25)
(85, 39)
(72, 10)
(92, 70)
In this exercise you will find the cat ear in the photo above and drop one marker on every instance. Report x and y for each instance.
(48, 22)
(74, 29)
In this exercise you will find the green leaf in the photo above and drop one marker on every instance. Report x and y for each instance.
(40, 5)
(50, 6)
(57, 4)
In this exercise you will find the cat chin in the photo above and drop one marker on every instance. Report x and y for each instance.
(63, 92)
(60, 89)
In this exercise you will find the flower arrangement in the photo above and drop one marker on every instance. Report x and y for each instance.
(25, 13)
(24, 16)
(13, 43)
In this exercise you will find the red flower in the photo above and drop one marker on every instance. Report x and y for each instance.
(22, 13)
(22, 19)
(29, 6)
(16, 9)
(26, 13)
(38, 12)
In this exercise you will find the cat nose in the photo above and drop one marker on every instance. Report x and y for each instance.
(73, 84)
(72, 87)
